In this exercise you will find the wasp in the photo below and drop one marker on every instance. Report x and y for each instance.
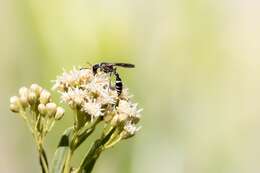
(111, 69)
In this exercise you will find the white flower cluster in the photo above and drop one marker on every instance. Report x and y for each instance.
(93, 95)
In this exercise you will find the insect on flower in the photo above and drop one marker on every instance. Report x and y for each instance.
(111, 69)
(92, 99)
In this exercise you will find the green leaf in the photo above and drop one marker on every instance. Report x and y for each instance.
(61, 152)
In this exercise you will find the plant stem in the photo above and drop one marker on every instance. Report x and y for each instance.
(80, 138)
(43, 158)
(77, 139)
(67, 162)
(93, 154)
(80, 120)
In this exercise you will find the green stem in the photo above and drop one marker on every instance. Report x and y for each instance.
(43, 159)
(80, 138)
(38, 140)
(77, 140)
(93, 154)
(67, 162)
(80, 120)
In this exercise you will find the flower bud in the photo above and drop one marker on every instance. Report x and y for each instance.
(32, 97)
(37, 89)
(14, 108)
(59, 113)
(42, 109)
(45, 96)
(14, 100)
(51, 109)
(23, 92)
(24, 101)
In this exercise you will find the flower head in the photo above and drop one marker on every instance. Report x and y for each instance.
(86, 92)
(127, 107)
(74, 97)
(129, 130)
(93, 108)
(72, 79)
(94, 95)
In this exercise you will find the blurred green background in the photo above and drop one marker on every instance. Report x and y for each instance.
(197, 78)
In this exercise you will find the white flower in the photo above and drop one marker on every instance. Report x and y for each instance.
(74, 97)
(85, 76)
(125, 95)
(72, 79)
(100, 83)
(94, 88)
(131, 129)
(107, 97)
(93, 109)
(99, 89)
(126, 107)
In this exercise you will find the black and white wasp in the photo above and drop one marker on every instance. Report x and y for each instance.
(111, 69)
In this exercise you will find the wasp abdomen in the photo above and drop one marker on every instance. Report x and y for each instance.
(119, 84)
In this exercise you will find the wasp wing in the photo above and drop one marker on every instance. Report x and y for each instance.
(126, 65)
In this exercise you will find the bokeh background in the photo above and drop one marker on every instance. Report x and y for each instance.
(197, 78)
